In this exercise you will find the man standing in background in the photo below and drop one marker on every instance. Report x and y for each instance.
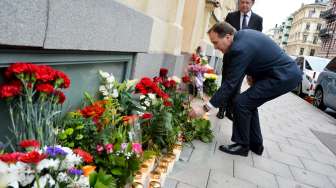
(244, 18)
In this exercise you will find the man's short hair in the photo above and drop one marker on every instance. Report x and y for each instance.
(222, 29)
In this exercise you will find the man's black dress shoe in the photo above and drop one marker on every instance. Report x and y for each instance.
(257, 149)
(235, 149)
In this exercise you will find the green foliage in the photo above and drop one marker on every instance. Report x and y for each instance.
(203, 130)
(102, 180)
(78, 132)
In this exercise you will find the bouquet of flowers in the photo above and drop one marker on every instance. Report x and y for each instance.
(34, 95)
(197, 68)
(52, 166)
(210, 85)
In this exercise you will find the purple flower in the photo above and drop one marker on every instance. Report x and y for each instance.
(75, 171)
(53, 151)
(123, 146)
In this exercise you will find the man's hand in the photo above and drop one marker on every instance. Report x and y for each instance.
(250, 80)
(196, 111)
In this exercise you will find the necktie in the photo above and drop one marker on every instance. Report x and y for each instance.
(244, 24)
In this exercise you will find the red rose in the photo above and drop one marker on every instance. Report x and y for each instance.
(157, 79)
(29, 143)
(10, 157)
(163, 72)
(64, 79)
(186, 79)
(147, 116)
(87, 157)
(10, 90)
(195, 58)
(32, 157)
(60, 96)
(45, 73)
(45, 88)
(129, 119)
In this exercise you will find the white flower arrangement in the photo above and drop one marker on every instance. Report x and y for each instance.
(48, 172)
(107, 88)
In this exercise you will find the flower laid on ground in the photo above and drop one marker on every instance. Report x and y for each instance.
(34, 96)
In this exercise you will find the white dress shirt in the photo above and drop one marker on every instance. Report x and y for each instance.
(247, 18)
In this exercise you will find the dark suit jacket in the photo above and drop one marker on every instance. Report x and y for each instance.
(256, 21)
(255, 54)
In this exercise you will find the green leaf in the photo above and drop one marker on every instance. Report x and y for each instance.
(93, 178)
(62, 136)
(79, 137)
(69, 131)
(117, 171)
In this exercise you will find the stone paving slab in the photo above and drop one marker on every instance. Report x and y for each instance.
(293, 156)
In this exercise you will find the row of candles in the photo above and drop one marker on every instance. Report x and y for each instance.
(153, 175)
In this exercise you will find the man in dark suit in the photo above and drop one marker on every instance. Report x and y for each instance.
(249, 53)
(244, 18)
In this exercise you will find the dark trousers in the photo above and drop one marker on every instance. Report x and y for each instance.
(246, 126)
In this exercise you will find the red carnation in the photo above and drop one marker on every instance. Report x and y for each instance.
(32, 157)
(60, 96)
(186, 79)
(19, 68)
(45, 73)
(87, 157)
(64, 79)
(29, 143)
(46, 88)
(10, 90)
(147, 116)
(163, 72)
(10, 157)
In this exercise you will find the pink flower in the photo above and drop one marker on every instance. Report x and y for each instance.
(136, 148)
(99, 149)
(109, 148)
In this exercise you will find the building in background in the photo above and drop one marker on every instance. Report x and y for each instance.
(303, 36)
(327, 34)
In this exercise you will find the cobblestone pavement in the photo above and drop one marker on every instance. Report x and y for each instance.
(293, 156)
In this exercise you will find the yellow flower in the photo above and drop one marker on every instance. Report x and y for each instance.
(210, 76)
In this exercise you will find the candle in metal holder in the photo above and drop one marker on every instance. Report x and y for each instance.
(155, 176)
(144, 169)
(137, 185)
(154, 184)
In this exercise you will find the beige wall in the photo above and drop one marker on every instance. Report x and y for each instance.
(299, 31)
(180, 25)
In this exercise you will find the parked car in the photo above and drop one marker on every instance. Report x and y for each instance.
(325, 92)
(292, 56)
(311, 67)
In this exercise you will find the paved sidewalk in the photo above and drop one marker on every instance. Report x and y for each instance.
(293, 156)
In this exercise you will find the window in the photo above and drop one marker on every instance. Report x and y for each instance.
(318, 27)
(315, 40)
(332, 65)
(311, 13)
(312, 52)
(305, 38)
(301, 51)
(307, 66)
(307, 26)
